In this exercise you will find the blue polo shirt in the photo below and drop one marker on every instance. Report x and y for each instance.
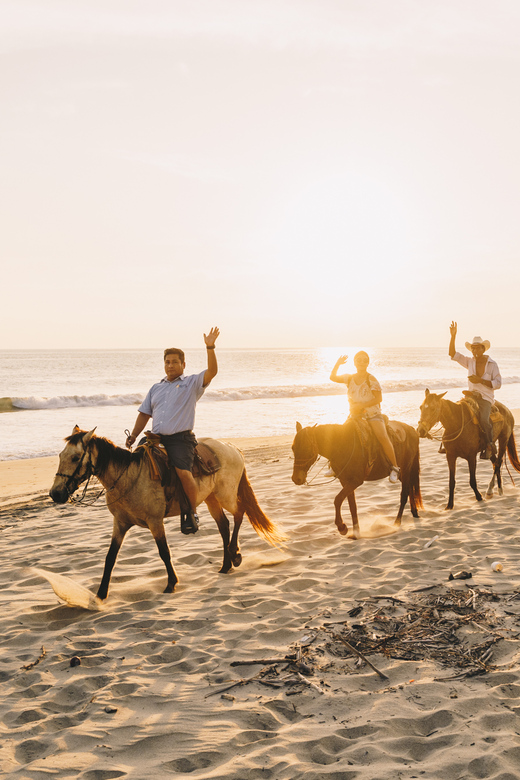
(172, 404)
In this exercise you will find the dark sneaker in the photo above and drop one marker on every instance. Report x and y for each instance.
(394, 475)
(190, 523)
(488, 452)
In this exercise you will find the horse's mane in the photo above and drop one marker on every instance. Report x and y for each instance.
(108, 452)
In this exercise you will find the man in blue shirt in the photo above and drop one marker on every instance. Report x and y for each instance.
(171, 403)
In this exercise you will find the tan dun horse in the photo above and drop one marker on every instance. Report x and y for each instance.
(354, 462)
(461, 438)
(134, 498)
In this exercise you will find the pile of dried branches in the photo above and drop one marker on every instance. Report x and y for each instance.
(429, 627)
(456, 628)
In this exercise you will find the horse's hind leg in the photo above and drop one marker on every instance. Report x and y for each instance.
(222, 522)
(234, 547)
(405, 490)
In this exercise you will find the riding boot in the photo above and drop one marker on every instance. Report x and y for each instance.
(189, 522)
(189, 518)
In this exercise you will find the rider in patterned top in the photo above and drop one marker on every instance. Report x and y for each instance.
(364, 397)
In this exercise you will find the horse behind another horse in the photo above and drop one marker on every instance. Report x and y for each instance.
(461, 438)
(354, 463)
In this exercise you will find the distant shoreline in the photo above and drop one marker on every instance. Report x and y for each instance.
(25, 479)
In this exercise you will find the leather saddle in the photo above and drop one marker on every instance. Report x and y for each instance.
(206, 462)
(368, 439)
(495, 416)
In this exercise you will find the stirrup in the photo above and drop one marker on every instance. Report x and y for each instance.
(189, 523)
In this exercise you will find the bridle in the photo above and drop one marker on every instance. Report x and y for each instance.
(436, 435)
(306, 463)
(74, 480)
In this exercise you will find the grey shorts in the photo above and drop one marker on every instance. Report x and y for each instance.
(180, 448)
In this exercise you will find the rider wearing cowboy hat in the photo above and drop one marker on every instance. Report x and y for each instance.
(483, 378)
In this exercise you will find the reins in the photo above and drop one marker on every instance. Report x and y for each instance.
(302, 463)
(436, 435)
(89, 473)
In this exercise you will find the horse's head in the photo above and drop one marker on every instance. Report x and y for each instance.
(430, 413)
(305, 453)
(75, 466)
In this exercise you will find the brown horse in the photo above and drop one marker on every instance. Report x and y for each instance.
(350, 459)
(461, 438)
(134, 498)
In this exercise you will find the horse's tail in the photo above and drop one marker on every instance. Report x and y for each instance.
(414, 493)
(248, 504)
(511, 451)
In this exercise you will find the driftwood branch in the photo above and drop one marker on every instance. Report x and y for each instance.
(363, 657)
(263, 661)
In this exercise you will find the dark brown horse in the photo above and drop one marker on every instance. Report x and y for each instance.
(351, 460)
(461, 438)
(134, 498)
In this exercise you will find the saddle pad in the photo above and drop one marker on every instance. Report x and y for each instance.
(495, 415)
(396, 431)
(206, 460)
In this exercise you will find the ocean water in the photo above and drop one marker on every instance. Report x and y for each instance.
(44, 393)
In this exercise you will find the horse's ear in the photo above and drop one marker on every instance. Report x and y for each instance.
(87, 437)
(76, 429)
(443, 394)
(426, 392)
(299, 427)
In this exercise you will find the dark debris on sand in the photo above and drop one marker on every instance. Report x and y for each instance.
(457, 628)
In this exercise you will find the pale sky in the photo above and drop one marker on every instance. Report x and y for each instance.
(299, 172)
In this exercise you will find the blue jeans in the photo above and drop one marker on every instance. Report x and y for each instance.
(484, 409)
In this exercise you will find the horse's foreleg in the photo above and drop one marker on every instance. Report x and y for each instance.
(451, 465)
(115, 545)
(346, 492)
(164, 552)
(472, 463)
(217, 513)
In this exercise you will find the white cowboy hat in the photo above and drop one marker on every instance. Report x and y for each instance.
(478, 341)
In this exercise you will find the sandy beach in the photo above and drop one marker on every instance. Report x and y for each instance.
(154, 693)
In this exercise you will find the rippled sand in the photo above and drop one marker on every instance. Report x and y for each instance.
(139, 705)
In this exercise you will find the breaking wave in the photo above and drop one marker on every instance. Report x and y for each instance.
(14, 404)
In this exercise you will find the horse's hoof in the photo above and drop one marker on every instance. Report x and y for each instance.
(225, 569)
(169, 588)
(448, 506)
(237, 559)
(500, 492)
(101, 595)
(479, 497)
(489, 494)
(356, 534)
(343, 529)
